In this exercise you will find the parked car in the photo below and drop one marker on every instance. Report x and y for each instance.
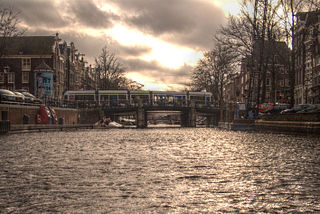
(311, 108)
(264, 107)
(35, 99)
(6, 95)
(295, 109)
(20, 97)
(30, 96)
(27, 99)
(277, 108)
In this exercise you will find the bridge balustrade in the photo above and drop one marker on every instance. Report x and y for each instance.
(62, 103)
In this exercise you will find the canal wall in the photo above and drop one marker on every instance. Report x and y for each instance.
(303, 117)
(275, 126)
(16, 113)
(294, 123)
(288, 126)
(90, 116)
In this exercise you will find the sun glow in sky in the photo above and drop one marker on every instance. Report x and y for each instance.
(229, 6)
(168, 55)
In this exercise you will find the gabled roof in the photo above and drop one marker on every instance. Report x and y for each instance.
(43, 67)
(29, 45)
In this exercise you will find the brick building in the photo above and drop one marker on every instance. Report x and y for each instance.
(23, 55)
(41, 65)
(273, 79)
(307, 58)
(89, 78)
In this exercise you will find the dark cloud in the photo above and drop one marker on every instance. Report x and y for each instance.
(87, 13)
(187, 22)
(37, 13)
(133, 51)
(159, 73)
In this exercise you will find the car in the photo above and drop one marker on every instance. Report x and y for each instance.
(30, 96)
(264, 107)
(311, 108)
(20, 97)
(35, 99)
(6, 95)
(295, 109)
(27, 99)
(277, 108)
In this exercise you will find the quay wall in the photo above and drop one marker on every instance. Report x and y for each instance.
(305, 117)
(288, 126)
(15, 114)
(90, 116)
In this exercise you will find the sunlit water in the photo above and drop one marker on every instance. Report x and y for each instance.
(159, 171)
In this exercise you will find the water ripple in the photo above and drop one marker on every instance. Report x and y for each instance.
(159, 170)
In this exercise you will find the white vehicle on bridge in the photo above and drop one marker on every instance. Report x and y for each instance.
(148, 98)
(135, 96)
(200, 99)
(169, 98)
(86, 95)
(113, 97)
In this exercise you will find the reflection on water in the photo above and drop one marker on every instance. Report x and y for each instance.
(159, 170)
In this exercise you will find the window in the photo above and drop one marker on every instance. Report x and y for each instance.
(287, 82)
(1, 77)
(122, 97)
(11, 77)
(25, 77)
(268, 82)
(26, 64)
(281, 83)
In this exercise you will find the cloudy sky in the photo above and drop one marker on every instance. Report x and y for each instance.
(158, 41)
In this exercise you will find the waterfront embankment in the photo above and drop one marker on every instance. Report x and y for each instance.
(307, 127)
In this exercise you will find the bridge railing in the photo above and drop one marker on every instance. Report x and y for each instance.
(114, 104)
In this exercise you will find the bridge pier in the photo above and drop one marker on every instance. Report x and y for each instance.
(188, 117)
(209, 121)
(141, 116)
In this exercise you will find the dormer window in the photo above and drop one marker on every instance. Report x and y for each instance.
(26, 64)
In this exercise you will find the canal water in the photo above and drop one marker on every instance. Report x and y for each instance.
(159, 171)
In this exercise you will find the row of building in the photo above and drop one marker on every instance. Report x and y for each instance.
(274, 76)
(44, 66)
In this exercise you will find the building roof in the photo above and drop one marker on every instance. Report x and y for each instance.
(43, 67)
(29, 45)
(310, 17)
(272, 48)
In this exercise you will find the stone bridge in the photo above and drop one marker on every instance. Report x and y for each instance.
(188, 115)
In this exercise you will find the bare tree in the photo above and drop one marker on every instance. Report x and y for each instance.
(248, 34)
(312, 4)
(9, 21)
(212, 70)
(110, 71)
